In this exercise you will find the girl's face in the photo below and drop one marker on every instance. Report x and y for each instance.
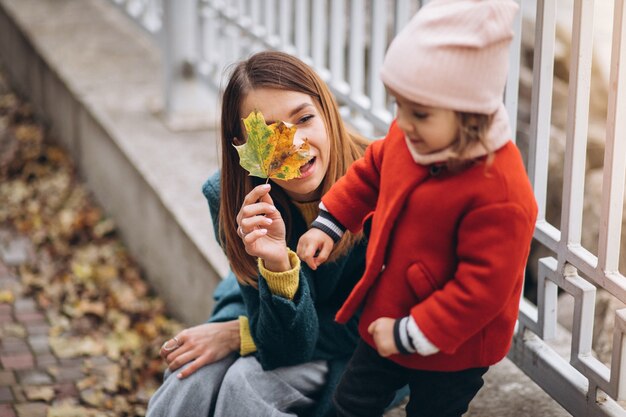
(428, 129)
(299, 110)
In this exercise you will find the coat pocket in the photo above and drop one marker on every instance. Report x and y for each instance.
(420, 281)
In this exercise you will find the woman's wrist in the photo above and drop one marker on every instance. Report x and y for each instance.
(231, 328)
(278, 263)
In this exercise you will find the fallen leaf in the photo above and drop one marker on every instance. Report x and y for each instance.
(39, 393)
(123, 341)
(94, 397)
(95, 298)
(67, 409)
(12, 330)
(71, 347)
(7, 297)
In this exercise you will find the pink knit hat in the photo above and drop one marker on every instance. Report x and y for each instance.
(453, 54)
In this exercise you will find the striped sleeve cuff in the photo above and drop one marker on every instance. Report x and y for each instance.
(401, 337)
(410, 339)
(418, 339)
(328, 224)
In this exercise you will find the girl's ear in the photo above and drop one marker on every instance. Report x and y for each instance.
(472, 123)
(471, 126)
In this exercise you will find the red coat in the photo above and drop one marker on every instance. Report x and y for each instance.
(448, 249)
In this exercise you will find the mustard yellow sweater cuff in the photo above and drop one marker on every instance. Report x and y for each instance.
(284, 283)
(246, 346)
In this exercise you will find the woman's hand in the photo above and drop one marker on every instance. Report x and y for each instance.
(262, 229)
(314, 247)
(382, 331)
(203, 344)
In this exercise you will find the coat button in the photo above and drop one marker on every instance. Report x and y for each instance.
(382, 269)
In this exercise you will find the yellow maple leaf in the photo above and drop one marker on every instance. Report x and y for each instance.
(269, 151)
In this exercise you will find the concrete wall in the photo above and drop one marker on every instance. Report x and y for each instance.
(94, 77)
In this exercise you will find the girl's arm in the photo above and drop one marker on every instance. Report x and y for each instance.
(344, 206)
(354, 195)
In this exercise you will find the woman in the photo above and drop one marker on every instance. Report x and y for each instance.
(271, 347)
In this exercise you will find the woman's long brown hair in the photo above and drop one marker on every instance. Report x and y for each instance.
(283, 72)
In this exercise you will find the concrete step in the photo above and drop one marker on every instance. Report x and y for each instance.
(96, 78)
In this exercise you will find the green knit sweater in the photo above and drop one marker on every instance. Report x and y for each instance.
(290, 332)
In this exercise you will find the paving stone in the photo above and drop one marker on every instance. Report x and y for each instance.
(66, 374)
(34, 377)
(6, 318)
(37, 328)
(30, 317)
(10, 282)
(65, 390)
(7, 378)
(6, 396)
(24, 305)
(39, 344)
(4, 270)
(71, 362)
(6, 410)
(16, 252)
(31, 410)
(44, 360)
(17, 361)
(18, 394)
(13, 345)
(11, 339)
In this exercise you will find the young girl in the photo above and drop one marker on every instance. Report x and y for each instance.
(271, 347)
(452, 216)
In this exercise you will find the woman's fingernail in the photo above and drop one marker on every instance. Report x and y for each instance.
(263, 231)
(179, 376)
(265, 186)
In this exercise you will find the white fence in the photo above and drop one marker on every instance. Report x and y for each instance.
(581, 383)
(345, 40)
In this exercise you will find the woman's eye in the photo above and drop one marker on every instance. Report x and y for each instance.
(305, 119)
(420, 115)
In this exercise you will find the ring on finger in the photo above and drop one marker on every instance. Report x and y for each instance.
(168, 348)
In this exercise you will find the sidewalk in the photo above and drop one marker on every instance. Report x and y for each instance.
(30, 374)
(39, 378)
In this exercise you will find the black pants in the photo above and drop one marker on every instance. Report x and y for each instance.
(370, 382)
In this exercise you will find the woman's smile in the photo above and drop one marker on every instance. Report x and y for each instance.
(307, 169)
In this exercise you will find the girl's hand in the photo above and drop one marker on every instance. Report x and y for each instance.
(262, 229)
(314, 247)
(203, 344)
(382, 331)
